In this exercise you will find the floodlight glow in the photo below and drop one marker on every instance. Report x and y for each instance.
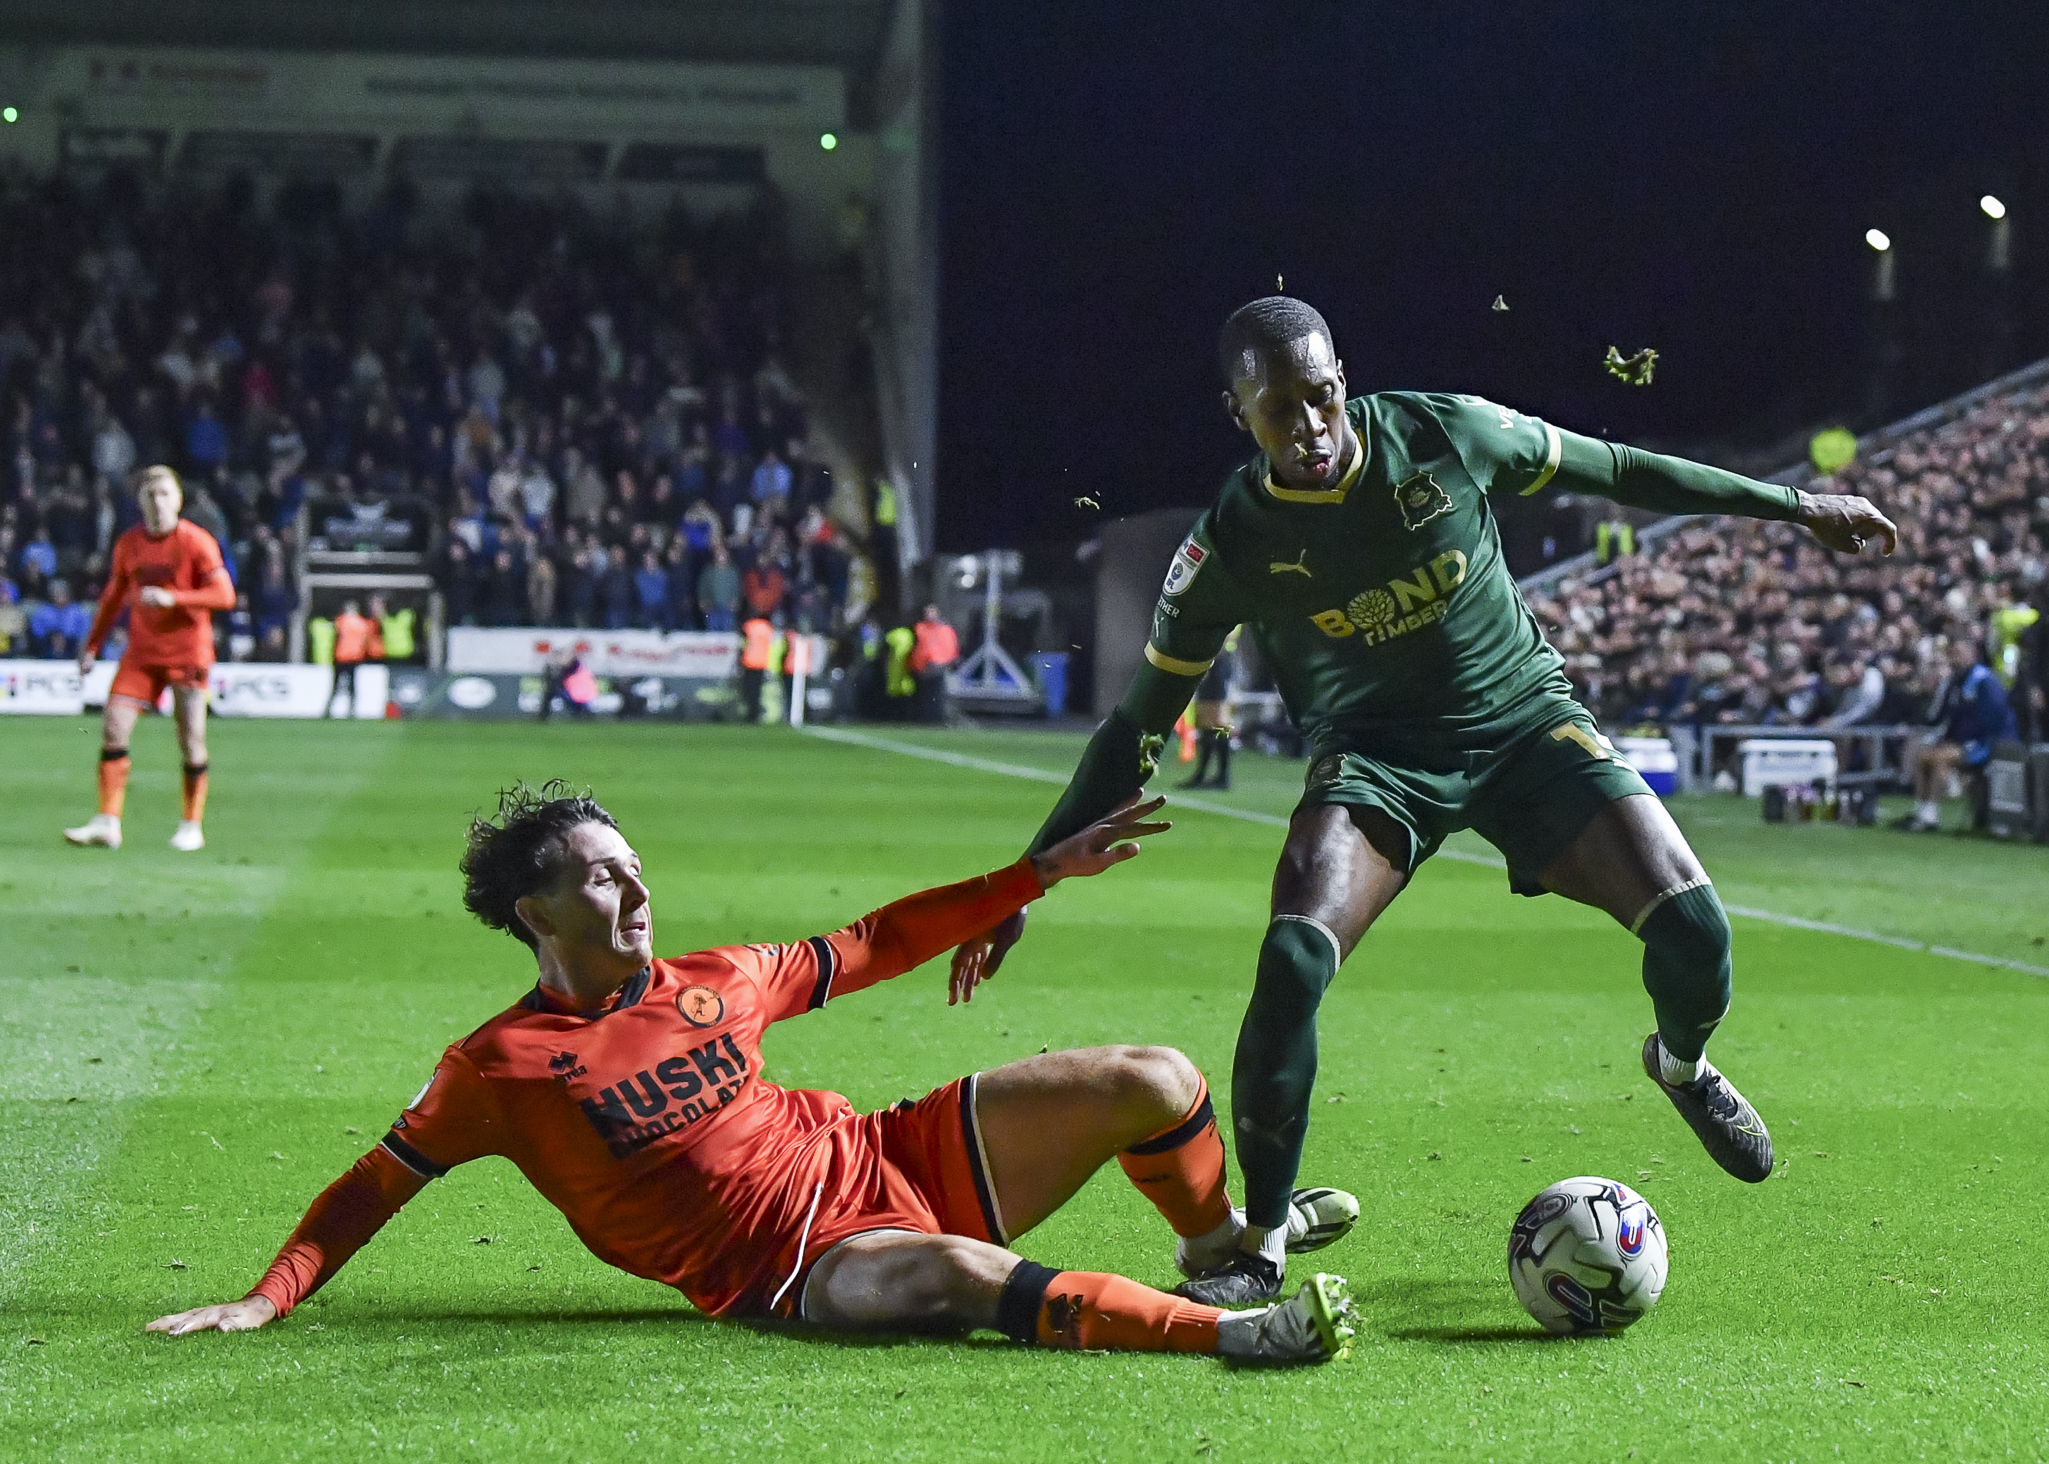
(8, 114)
(828, 141)
(1994, 209)
(1877, 239)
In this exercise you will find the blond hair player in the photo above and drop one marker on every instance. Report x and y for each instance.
(167, 573)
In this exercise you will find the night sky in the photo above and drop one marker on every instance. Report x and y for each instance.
(1117, 177)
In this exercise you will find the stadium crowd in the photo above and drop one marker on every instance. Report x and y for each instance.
(589, 424)
(1747, 622)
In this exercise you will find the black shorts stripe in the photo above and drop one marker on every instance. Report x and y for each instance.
(828, 967)
(971, 1140)
(1181, 1133)
(412, 1158)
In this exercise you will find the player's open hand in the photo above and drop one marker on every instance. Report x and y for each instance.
(85, 662)
(1093, 850)
(233, 1316)
(1109, 841)
(1846, 523)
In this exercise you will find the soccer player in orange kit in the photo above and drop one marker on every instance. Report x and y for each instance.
(629, 1092)
(168, 574)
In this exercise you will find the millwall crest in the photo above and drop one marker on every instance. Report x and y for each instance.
(1420, 500)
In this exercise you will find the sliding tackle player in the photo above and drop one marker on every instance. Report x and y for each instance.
(628, 1090)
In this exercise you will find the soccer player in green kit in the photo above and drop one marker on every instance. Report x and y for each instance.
(1361, 547)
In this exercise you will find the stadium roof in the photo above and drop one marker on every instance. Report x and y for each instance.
(843, 33)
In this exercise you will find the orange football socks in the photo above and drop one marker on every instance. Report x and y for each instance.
(1081, 1309)
(113, 780)
(195, 793)
(1181, 1170)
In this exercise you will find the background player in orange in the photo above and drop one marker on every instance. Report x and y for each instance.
(357, 638)
(629, 1092)
(167, 573)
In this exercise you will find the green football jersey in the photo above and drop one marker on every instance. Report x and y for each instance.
(1383, 605)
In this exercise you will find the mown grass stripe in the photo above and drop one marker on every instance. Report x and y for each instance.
(1204, 805)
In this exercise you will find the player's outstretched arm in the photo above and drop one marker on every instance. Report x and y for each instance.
(1116, 764)
(337, 1224)
(1666, 484)
(1105, 842)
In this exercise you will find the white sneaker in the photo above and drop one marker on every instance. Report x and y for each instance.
(188, 838)
(102, 829)
(1313, 1325)
(1316, 1218)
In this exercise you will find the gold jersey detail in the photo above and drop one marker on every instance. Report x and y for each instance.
(1174, 664)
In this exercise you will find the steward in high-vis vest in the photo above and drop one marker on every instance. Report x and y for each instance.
(395, 628)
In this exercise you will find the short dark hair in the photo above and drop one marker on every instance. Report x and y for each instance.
(520, 853)
(1271, 323)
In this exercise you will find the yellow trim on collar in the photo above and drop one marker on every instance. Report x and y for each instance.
(1174, 664)
(1323, 495)
(1550, 460)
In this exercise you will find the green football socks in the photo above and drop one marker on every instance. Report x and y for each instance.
(1686, 966)
(1275, 1067)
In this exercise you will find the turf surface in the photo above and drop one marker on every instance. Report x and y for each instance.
(194, 1045)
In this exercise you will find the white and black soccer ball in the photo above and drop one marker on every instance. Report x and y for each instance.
(1587, 1257)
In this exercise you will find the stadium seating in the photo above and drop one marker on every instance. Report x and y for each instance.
(565, 412)
(1751, 623)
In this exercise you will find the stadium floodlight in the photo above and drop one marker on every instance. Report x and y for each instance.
(8, 114)
(1878, 239)
(1994, 209)
(828, 140)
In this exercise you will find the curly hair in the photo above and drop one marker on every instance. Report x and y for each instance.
(1271, 323)
(520, 853)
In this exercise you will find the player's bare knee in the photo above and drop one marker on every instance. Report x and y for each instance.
(1152, 1083)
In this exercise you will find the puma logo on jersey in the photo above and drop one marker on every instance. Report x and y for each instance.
(1404, 605)
(1282, 566)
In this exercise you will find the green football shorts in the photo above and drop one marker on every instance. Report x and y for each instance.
(1529, 798)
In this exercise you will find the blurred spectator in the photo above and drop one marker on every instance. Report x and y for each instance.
(275, 599)
(718, 589)
(540, 590)
(57, 629)
(1973, 713)
(241, 630)
(616, 593)
(13, 621)
(651, 590)
(762, 587)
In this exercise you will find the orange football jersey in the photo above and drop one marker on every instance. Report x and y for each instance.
(649, 1125)
(187, 562)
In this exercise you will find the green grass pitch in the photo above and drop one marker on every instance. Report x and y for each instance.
(193, 1045)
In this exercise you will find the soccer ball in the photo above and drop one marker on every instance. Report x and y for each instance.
(1587, 1257)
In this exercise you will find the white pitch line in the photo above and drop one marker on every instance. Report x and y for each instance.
(1204, 805)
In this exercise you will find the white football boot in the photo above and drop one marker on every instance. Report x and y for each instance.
(188, 839)
(1313, 1325)
(1316, 1218)
(102, 829)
